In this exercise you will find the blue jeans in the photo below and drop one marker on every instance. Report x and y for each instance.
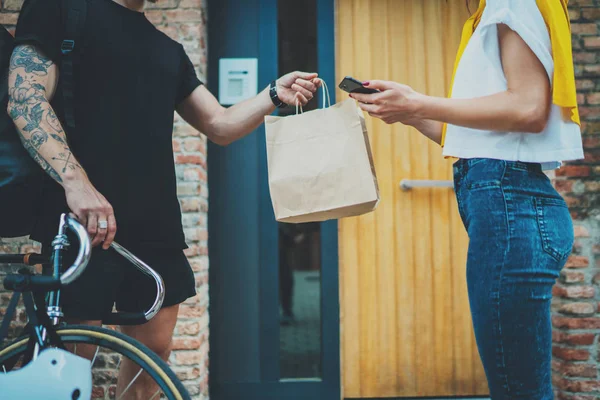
(520, 235)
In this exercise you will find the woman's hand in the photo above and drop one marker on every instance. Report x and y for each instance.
(395, 102)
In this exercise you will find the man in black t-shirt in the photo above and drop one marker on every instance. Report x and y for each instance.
(118, 165)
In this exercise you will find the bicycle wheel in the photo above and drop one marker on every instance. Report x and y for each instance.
(112, 346)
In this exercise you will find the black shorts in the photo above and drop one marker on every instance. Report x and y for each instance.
(110, 279)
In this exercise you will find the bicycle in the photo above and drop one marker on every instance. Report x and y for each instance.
(40, 355)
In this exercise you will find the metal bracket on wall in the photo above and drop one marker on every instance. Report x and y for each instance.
(408, 184)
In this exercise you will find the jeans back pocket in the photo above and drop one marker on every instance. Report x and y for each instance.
(556, 227)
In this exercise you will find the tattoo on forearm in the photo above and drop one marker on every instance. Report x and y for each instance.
(41, 161)
(66, 157)
(28, 58)
(53, 121)
(28, 102)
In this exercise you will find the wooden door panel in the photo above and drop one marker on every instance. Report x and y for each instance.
(406, 328)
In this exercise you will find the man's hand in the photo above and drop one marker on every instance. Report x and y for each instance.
(92, 210)
(297, 87)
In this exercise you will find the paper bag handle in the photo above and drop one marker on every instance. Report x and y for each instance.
(326, 98)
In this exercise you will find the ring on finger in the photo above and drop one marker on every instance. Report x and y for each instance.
(102, 224)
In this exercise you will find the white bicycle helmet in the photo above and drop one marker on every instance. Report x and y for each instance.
(54, 375)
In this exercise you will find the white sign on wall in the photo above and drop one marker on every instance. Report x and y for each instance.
(238, 79)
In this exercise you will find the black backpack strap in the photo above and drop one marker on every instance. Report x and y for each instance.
(74, 14)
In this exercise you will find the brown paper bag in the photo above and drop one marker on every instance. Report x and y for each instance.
(320, 164)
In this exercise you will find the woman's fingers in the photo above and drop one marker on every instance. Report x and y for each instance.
(379, 85)
(364, 98)
(369, 108)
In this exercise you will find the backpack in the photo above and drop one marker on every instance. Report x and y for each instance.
(21, 178)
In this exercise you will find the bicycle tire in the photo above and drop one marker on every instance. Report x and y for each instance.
(152, 364)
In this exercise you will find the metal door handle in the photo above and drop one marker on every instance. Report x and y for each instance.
(408, 184)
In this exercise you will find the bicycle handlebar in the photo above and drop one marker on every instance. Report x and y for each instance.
(83, 255)
(126, 318)
(24, 283)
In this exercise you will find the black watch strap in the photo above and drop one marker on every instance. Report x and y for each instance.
(274, 97)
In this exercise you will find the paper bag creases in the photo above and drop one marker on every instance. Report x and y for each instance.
(320, 165)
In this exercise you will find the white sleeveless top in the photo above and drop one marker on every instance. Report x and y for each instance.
(480, 73)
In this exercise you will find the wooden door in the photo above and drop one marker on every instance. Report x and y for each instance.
(406, 327)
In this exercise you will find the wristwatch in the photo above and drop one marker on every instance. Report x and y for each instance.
(274, 97)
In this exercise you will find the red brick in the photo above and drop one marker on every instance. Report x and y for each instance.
(192, 251)
(564, 186)
(570, 396)
(591, 69)
(188, 205)
(584, 28)
(191, 311)
(584, 339)
(579, 370)
(186, 16)
(188, 328)
(574, 171)
(589, 112)
(155, 16)
(188, 159)
(190, 4)
(188, 358)
(578, 309)
(593, 98)
(570, 354)
(194, 144)
(194, 174)
(9, 18)
(590, 127)
(581, 231)
(576, 323)
(170, 30)
(98, 392)
(573, 201)
(187, 374)
(585, 84)
(188, 189)
(590, 142)
(186, 343)
(577, 262)
(176, 146)
(584, 57)
(574, 14)
(591, 13)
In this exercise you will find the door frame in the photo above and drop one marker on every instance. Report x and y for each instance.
(270, 386)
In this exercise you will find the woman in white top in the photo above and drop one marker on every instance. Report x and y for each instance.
(511, 115)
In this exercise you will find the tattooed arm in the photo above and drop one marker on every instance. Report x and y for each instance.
(32, 83)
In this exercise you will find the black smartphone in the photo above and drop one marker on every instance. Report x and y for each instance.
(351, 85)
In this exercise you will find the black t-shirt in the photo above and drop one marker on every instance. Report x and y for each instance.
(128, 82)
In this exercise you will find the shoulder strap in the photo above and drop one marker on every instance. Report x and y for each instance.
(74, 13)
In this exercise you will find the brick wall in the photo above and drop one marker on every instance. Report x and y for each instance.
(576, 308)
(185, 21)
